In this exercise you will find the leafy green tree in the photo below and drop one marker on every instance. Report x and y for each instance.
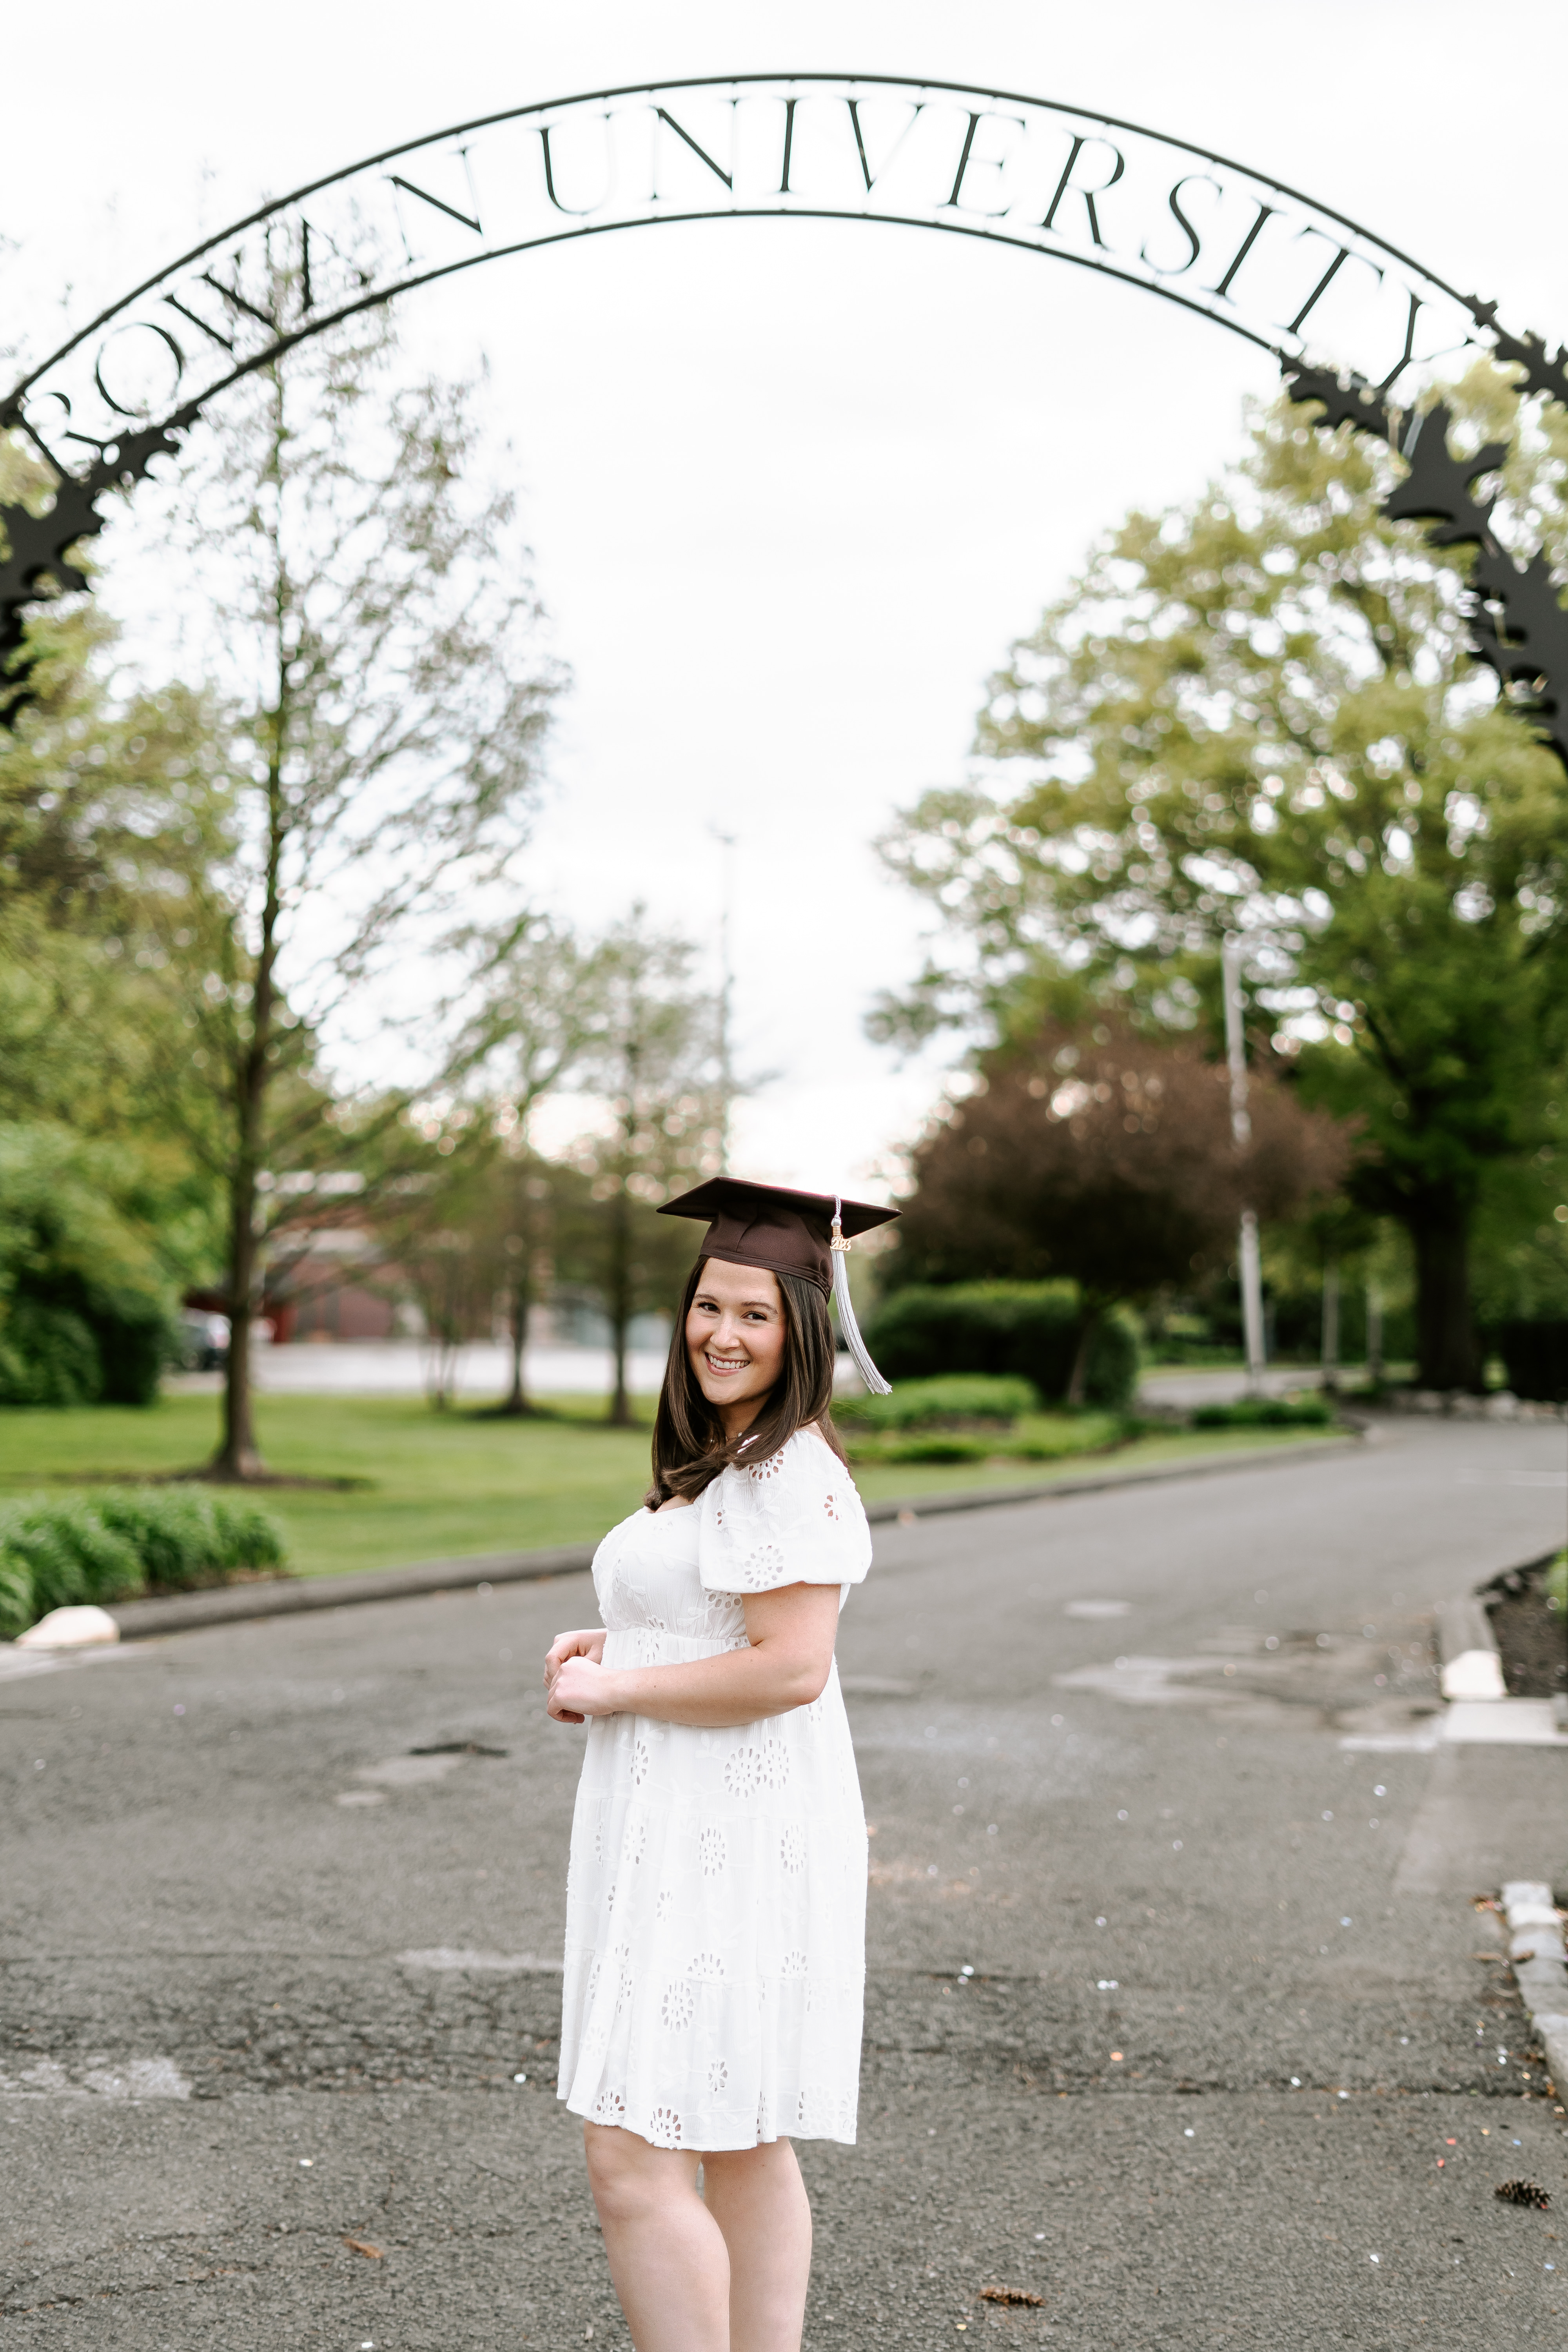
(1256, 714)
(106, 820)
(86, 1305)
(373, 659)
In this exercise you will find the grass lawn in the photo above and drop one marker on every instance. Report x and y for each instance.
(438, 1485)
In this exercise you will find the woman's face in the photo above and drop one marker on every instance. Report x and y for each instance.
(735, 1338)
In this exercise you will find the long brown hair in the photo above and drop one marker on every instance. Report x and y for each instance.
(689, 1447)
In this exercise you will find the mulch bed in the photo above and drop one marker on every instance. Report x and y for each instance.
(1531, 1635)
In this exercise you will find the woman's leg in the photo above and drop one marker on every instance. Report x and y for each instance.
(666, 2252)
(758, 2198)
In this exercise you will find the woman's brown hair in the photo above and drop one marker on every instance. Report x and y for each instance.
(689, 1447)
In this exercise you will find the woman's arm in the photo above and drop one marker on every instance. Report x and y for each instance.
(791, 1633)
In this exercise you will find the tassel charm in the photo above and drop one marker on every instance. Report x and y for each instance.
(858, 1352)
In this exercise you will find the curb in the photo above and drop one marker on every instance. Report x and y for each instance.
(1467, 1647)
(1474, 1687)
(1535, 1950)
(982, 1498)
(181, 1613)
(228, 1604)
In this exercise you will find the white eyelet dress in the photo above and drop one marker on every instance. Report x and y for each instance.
(716, 1900)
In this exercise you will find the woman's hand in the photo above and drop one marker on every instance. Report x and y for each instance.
(581, 1686)
(588, 1643)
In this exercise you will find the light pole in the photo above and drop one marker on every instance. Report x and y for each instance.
(1241, 1136)
(1331, 1350)
(726, 991)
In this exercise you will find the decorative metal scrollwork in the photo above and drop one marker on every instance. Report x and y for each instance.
(1518, 628)
(38, 546)
(1354, 322)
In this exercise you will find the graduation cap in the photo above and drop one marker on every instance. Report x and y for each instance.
(805, 1234)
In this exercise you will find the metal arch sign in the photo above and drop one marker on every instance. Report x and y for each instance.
(1078, 188)
(1321, 294)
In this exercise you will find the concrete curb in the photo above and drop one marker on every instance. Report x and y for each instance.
(183, 1612)
(1474, 1686)
(1467, 1646)
(1535, 1950)
(228, 1604)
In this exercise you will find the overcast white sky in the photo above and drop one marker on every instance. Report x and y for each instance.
(792, 486)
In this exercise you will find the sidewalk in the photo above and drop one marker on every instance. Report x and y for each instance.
(400, 1368)
(1184, 1386)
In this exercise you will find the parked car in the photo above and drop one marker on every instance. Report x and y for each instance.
(205, 1340)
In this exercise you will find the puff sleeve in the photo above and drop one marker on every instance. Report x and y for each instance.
(793, 1519)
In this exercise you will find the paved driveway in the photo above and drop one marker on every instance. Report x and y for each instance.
(1226, 2071)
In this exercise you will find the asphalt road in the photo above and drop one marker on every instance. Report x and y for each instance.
(1228, 2070)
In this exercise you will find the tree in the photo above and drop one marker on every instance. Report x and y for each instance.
(1256, 714)
(1098, 1155)
(539, 1010)
(105, 820)
(85, 1309)
(383, 702)
(651, 1055)
(442, 1248)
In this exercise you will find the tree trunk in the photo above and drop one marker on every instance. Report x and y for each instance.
(620, 1303)
(519, 1300)
(1446, 1351)
(1092, 1319)
(1331, 1339)
(238, 1456)
(526, 1280)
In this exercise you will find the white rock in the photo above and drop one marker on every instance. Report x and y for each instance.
(1523, 1917)
(1534, 1891)
(70, 1629)
(1474, 1674)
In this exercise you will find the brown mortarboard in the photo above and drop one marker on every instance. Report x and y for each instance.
(806, 1234)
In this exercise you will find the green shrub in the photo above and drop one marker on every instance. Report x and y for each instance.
(48, 1356)
(17, 1611)
(961, 1396)
(68, 1553)
(40, 1573)
(246, 1535)
(1034, 1437)
(1028, 1330)
(137, 1338)
(1049, 1437)
(107, 1546)
(1556, 1583)
(1265, 1412)
(937, 1446)
(85, 1309)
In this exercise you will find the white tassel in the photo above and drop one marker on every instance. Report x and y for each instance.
(867, 1371)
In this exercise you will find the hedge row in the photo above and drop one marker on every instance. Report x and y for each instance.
(934, 1404)
(109, 1546)
(101, 1350)
(1027, 1329)
(1265, 1412)
(1034, 1437)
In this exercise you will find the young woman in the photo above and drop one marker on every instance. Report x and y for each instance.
(716, 1898)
